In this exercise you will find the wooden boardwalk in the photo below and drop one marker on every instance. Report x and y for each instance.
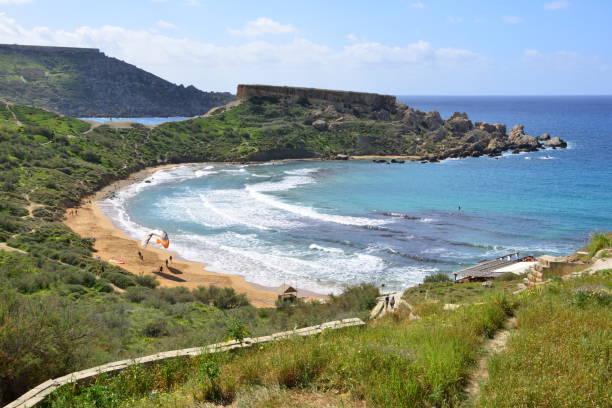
(39, 393)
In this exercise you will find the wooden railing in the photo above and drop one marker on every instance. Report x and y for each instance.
(37, 394)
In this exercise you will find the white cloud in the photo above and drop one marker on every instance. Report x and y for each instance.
(166, 24)
(12, 2)
(556, 5)
(418, 4)
(364, 65)
(512, 19)
(263, 26)
(455, 19)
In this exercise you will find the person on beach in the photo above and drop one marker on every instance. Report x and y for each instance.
(161, 269)
(166, 263)
(392, 302)
(170, 259)
(140, 256)
(386, 302)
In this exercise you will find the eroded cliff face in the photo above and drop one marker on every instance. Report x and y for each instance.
(85, 82)
(341, 100)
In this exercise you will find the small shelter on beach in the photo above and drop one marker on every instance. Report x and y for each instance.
(289, 294)
(492, 269)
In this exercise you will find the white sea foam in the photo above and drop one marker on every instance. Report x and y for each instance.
(302, 172)
(326, 249)
(257, 191)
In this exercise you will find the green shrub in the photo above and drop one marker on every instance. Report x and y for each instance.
(437, 277)
(120, 280)
(507, 276)
(598, 241)
(148, 281)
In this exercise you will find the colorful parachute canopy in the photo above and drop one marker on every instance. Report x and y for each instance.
(161, 238)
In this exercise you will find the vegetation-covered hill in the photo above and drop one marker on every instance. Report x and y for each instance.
(84, 82)
(60, 309)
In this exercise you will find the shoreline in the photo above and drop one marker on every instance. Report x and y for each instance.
(111, 242)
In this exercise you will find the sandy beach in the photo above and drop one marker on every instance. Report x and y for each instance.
(89, 221)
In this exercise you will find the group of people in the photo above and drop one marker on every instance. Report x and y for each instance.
(389, 301)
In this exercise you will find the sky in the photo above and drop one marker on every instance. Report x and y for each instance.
(406, 47)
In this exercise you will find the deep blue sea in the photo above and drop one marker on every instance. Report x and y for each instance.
(322, 225)
(144, 121)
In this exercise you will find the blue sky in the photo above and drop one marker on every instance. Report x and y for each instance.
(465, 47)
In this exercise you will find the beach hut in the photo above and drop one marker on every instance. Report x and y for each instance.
(289, 294)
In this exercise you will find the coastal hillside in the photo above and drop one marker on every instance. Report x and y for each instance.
(477, 352)
(62, 310)
(84, 82)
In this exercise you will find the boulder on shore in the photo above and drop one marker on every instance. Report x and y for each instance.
(320, 124)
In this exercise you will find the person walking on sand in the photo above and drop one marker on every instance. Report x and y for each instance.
(166, 263)
(140, 255)
(161, 269)
(392, 302)
(386, 302)
(170, 259)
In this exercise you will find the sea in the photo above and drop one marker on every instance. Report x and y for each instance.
(143, 121)
(323, 225)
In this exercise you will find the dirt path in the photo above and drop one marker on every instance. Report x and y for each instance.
(381, 309)
(8, 107)
(492, 346)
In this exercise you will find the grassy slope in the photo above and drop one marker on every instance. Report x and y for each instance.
(394, 362)
(24, 79)
(90, 84)
(559, 356)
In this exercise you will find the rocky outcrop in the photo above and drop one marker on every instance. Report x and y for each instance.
(555, 143)
(543, 137)
(320, 124)
(459, 123)
(342, 100)
(521, 141)
(83, 82)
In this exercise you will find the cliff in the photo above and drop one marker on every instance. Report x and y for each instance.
(340, 99)
(84, 82)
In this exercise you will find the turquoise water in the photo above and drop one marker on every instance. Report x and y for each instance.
(144, 121)
(322, 225)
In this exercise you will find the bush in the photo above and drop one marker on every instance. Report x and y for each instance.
(120, 280)
(149, 281)
(598, 241)
(437, 277)
(508, 276)
(223, 298)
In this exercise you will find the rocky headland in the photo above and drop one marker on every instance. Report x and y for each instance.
(379, 124)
